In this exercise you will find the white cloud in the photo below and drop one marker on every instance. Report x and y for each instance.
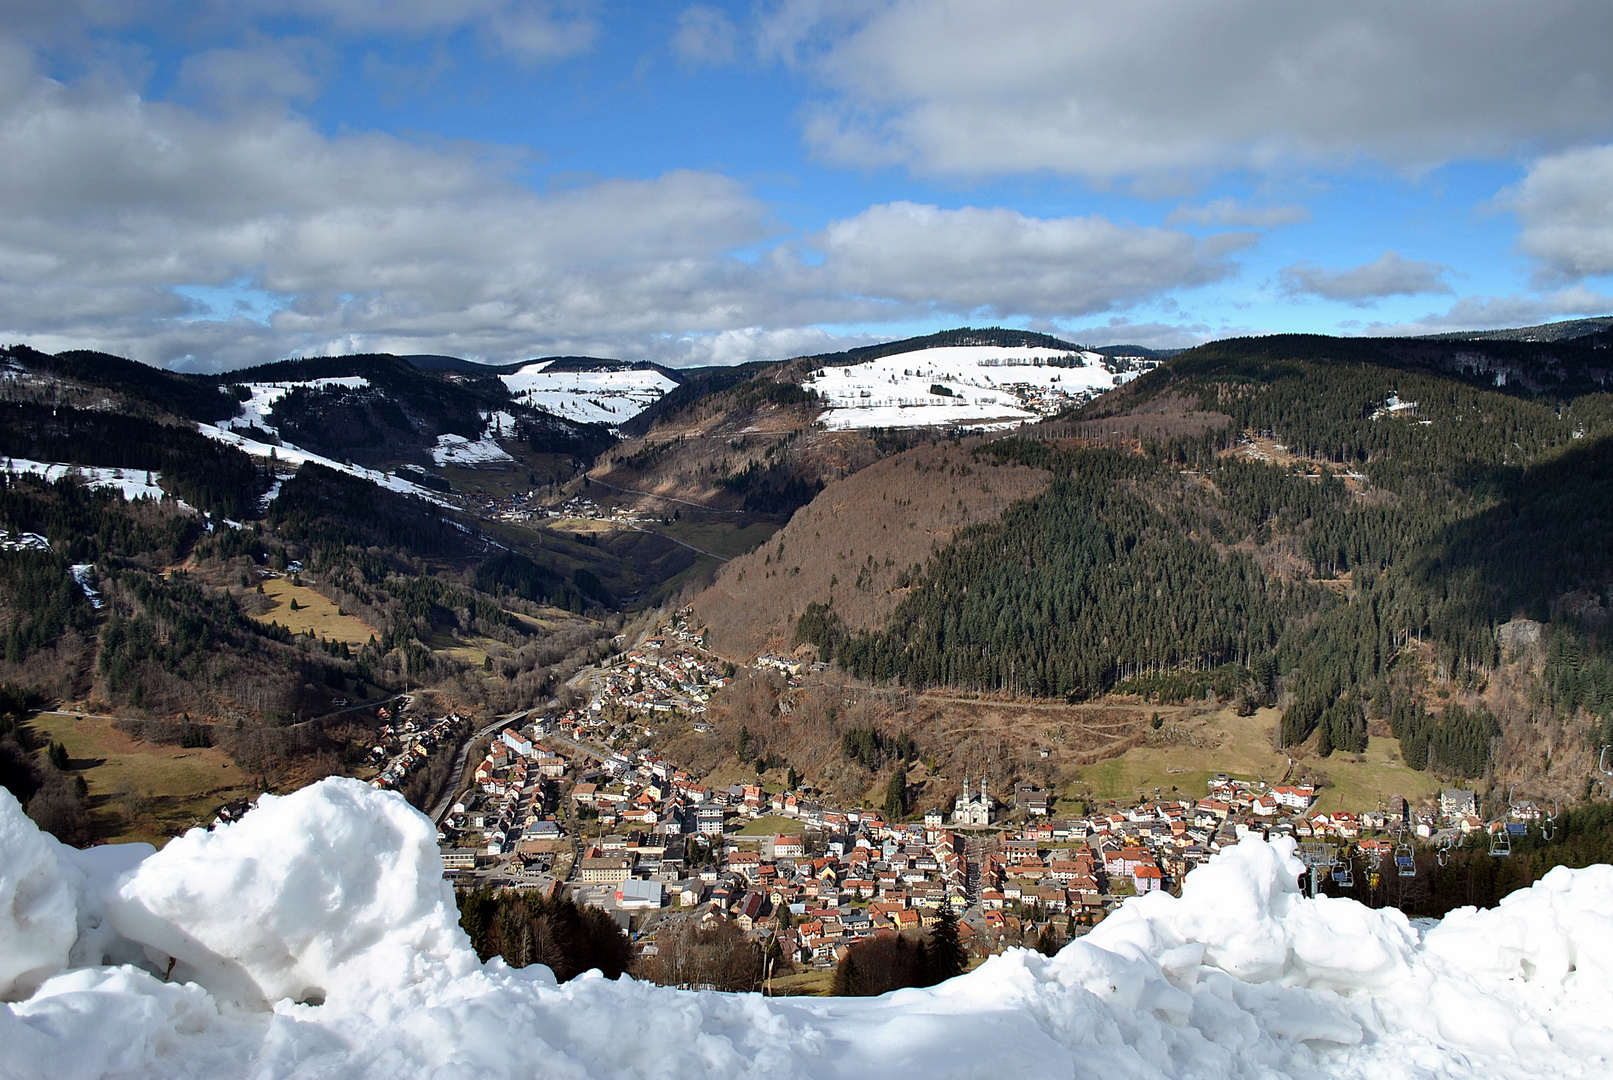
(289, 69)
(1565, 204)
(531, 29)
(366, 241)
(1158, 87)
(1230, 211)
(705, 36)
(999, 262)
(1390, 274)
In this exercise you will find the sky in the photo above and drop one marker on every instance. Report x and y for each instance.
(204, 184)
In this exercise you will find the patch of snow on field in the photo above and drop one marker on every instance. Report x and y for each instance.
(991, 386)
(134, 483)
(592, 397)
(316, 937)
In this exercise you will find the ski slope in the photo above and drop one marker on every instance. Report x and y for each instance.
(315, 937)
(990, 386)
(591, 397)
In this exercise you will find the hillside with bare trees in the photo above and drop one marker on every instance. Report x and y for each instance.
(858, 544)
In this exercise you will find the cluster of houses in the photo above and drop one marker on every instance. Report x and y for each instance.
(405, 746)
(509, 811)
(668, 671)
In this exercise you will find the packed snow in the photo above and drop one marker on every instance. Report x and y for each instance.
(134, 483)
(595, 397)
(990, 386)
(316, 937)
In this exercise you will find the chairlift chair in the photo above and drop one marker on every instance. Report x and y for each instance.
(1343, 877)
(1445, 846)
(1404, 862)
(1601, 761)
(1548, 824)
(1501, 844)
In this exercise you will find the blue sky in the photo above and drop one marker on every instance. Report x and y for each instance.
(206, 183)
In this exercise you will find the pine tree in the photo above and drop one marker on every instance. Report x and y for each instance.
(946, 957)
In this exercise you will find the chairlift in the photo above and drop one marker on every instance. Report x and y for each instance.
(1445, 846)
(1601, 761)
(1404, 862)
(1501, 844)
(1343, 877)
(1548, 824)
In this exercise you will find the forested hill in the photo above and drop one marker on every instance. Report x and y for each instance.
(1346, 546)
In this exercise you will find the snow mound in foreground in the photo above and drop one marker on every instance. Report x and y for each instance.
(208, 959)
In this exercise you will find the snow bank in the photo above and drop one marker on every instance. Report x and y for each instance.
(334, 894)
(38, 904)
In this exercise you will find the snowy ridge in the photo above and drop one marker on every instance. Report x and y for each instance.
(592, 397)
(334, 895)
(990, 386)
(134, 483)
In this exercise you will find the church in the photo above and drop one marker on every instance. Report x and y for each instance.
(972, 809)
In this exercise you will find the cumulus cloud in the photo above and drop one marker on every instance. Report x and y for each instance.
(1232, 212)
(1179, 87)
(1565, 205)
(1390, 274)
(999, 262)
(121, 212)
(705, 36)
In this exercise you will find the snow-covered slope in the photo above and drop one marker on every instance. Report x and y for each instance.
(990, 386)
(256, 408)
(134, 483)
(594, 397)
(192, 962)
(288, 454)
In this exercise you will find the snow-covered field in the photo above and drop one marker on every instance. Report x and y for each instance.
(132, 482)
(594, 397)
(316, 938)
(991, 386)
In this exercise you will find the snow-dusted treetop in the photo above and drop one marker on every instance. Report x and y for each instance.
(335, 895)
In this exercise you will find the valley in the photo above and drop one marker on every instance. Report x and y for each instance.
(1139, 572)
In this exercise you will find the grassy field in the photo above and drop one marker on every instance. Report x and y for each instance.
(772, 825)
(1241, 746)
(314, 612)
(138, 790)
